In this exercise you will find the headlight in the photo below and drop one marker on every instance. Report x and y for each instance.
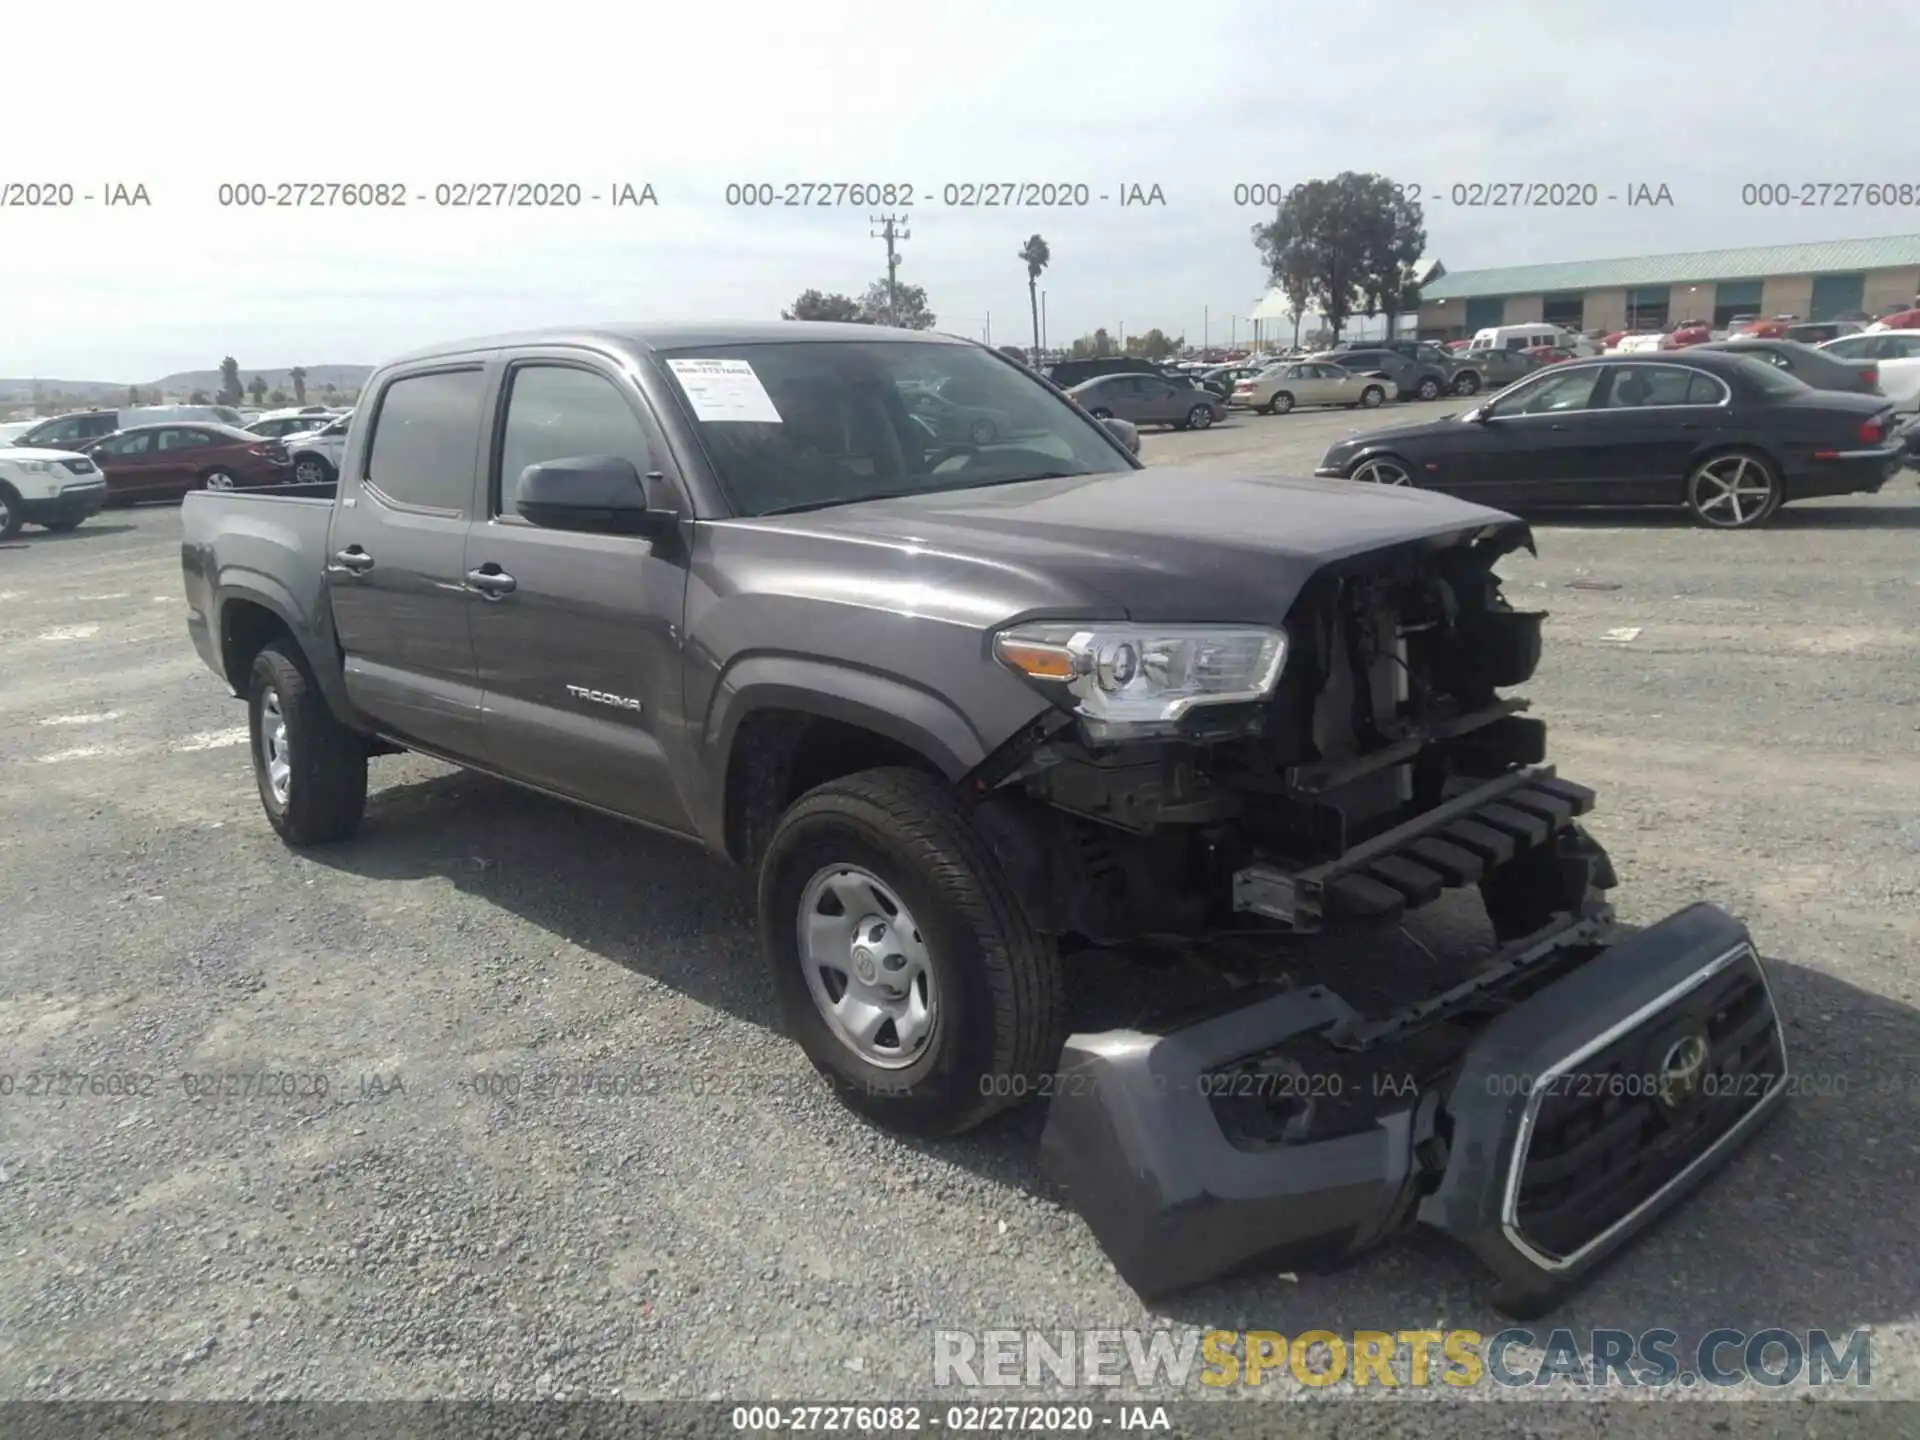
(1141, 679)
(35, 467)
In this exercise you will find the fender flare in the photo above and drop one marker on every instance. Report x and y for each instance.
(889, 706)
(270, 595)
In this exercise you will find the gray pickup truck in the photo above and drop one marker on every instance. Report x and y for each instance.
(984, 716)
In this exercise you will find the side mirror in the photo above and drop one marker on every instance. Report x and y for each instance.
(601, 493)
(1479, 415)
(1125, 431)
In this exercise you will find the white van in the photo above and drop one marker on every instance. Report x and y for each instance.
(77, 431)
(1526, 337)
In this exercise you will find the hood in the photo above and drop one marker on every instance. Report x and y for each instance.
(1448, 424)
(22, 452)
(1161, 544)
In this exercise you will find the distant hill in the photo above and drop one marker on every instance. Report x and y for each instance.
(14, 391)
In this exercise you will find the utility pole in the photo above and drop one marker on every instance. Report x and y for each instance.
(1043, 322)
(1206, 324)
(989, 327)
(892, 229)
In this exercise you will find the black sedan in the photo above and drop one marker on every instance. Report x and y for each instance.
(1730, 438)
(1820, 369)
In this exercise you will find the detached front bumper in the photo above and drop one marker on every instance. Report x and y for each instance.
(1622, 1072)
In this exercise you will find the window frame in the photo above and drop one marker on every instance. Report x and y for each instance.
(501, 400)
(476, 367)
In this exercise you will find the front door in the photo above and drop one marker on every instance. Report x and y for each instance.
(580, 658)
(1533, 448)
(396, 561)
(129, 462)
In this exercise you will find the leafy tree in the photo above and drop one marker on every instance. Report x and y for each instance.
(299, 377)
(199, 397)
(815, 305)
(1037, 256)
(1154, 345)
(1096, 346)
(133, 394)
(257, 388)
(909, 309)
(1345, 241)
(230, 391)
(278, 398)
(329, 391)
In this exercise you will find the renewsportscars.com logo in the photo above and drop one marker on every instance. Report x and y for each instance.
(1148, 1360)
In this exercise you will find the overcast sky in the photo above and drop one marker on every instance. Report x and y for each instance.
(1702, 96)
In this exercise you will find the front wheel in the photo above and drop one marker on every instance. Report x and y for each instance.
(1372, 398)
(1467, 384)
(311, 769)
(1199, 417)
(1735, 491)
(1382, 470)
(10, 517)
(1429, 389)
(311, 470)
(901, 959)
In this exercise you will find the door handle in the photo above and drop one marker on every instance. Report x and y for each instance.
(354, 560)
(491, 581)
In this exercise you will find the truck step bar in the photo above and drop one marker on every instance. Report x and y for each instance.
(1454, 844)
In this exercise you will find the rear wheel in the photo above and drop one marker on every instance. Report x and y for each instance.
(311, 769)
(902, 962)
(1466, 383)
(218, 479)
(10, 517)
(1734, 491)
(1429, 389)
(1281, 403)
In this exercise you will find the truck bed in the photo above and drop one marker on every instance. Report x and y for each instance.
(264, 546)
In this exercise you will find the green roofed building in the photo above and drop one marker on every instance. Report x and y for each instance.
(1823, 281)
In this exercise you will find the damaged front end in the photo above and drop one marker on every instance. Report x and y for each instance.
(1542, 1107)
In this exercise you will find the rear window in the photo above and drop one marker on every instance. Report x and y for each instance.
(424, 438)
(1768, 379)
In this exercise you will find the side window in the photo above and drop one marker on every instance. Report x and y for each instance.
(424, 434)
(93, 426)
(554, 412)
(180, 439)
(1705, 390)
(1900, 347)
(1551, 394)
(136, 444)
(1639, 386)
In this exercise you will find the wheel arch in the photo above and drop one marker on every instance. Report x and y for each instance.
(253, 617)
(783, 724)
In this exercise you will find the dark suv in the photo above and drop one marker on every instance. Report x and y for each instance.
(1415, 375)
(1069, 373)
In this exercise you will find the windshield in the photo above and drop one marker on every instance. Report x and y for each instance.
(796, 425)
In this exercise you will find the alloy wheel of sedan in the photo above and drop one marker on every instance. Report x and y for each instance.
(219, 480)
(1372, 397)
(1200, 417)
(1731, 492)
(1380, 472)
(867, 967)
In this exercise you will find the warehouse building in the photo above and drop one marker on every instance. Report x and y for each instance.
(1821, 281)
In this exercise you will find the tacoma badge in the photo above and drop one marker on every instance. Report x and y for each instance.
(601, 697)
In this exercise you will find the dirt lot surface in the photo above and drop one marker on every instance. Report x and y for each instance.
(562, 1152)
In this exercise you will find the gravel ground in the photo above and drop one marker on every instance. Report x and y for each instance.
(439, 1224)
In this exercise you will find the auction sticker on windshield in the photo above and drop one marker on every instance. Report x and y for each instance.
(725, 390)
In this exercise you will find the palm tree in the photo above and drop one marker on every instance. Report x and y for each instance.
(1036, 254)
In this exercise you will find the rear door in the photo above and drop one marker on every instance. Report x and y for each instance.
(397, 559)
(580, 660)
(178, 452)
(1646, 424)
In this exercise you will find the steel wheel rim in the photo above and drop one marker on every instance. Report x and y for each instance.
(867, 967)
(1382, 472)
(1732, 491)
(278, 750)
